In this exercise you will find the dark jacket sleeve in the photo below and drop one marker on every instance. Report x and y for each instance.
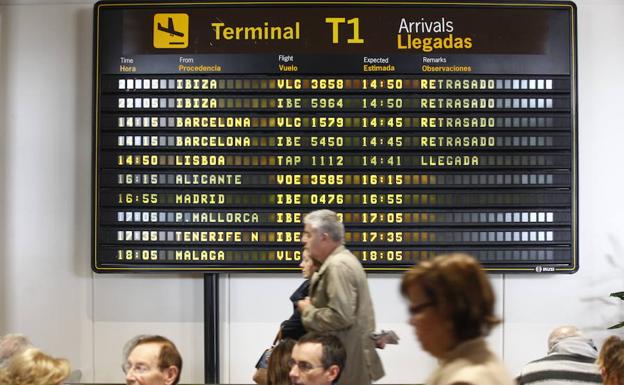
(292, 327)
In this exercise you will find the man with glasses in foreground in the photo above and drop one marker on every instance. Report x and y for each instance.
(151, 360)
(317, 359)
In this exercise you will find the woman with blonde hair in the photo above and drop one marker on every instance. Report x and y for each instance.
(33, 367)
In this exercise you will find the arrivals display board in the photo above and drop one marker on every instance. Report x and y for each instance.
(428, 127)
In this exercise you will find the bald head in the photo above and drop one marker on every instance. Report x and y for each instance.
(561, 333)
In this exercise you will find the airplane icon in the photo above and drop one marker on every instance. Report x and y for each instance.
(170, 28)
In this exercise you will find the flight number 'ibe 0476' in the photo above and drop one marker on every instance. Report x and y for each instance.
(324, 199)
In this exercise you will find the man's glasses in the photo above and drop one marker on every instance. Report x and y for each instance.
(417, 309)
(303, 366)
(136, 369)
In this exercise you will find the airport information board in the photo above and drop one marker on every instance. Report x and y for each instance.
(429, 127)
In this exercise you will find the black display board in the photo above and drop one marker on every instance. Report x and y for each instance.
(428, 127)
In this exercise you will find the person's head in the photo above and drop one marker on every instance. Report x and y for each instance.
(450, 301)
(611, 361)
(561, 333)
(605, 350)
(33, 367)
(151, 360)
(278, 369)
(11, 344)
(308, 265)
(322, 233)
(317, 359)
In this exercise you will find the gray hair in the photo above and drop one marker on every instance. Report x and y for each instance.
(326, 221)
(136, 341)
(561, 333)
(10, 345)
(130, 345)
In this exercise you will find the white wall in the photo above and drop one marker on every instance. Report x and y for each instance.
(48, 291)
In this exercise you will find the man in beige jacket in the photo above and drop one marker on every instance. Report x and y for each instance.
(339, 300)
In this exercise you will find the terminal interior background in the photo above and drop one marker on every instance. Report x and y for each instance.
(47, 289)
